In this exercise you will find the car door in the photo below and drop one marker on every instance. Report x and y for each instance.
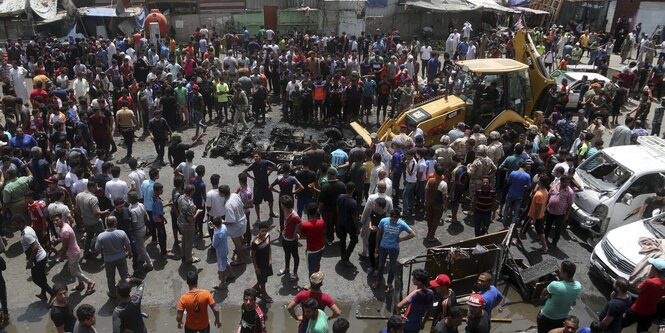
(573, 95)
(632, 197)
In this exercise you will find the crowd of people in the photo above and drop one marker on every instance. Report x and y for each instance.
(87, 92)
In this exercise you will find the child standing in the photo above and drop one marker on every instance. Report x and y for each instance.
(262, 260)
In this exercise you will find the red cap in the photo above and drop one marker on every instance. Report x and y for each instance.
(442, 280)
(475, 300)
(196, 86)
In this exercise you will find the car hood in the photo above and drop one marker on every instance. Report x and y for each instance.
(587, 200)
(625, 240)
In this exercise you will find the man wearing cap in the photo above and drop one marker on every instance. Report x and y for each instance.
(478, 320)
(651, 293)
(445, 297)
(560, 297)
(323, 300)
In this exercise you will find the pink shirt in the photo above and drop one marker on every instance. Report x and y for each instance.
(67, 233)
(560, 200)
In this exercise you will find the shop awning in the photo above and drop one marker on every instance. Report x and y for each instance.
(46, 9)
(12, 7)
(530, 10)
(457, 6)
(108, 11)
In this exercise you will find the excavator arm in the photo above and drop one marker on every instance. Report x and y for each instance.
(541, 81)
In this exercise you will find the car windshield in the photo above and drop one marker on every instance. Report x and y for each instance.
(656, 226)
(603, 173)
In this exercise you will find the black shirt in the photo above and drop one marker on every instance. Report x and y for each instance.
(346, 208)
(177, 152)
(329, 193)
(159, 128)
(316, 157)
(63, 316)
(441, 328)
(305, 177)
(128, 315)
(478, 324)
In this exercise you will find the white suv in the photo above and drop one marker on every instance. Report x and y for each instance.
(616, 182)
(618, 252)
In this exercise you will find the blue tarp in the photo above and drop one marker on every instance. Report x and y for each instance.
(377, 3)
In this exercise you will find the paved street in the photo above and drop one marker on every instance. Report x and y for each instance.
(347, 286)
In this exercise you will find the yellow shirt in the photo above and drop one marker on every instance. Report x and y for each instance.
(584, 40)
(369, 165)
(124, 117)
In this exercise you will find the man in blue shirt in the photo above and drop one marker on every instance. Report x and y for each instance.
(433, 67)
(148, 191)
(340, 160)
(23, 141)
(387, 243)
(491, 295)
(518, 182)
(221, 245)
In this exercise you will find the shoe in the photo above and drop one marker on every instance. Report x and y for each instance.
(195, 259)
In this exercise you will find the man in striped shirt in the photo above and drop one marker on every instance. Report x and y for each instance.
(484, 207)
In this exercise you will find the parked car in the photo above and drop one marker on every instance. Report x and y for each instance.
(574, 82)
(616, 181)
(619, 251)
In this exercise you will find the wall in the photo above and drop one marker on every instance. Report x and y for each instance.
(288, 19)
(626, 8)
(411, 22)
(15, 28)
(651, 15)
(282, 4)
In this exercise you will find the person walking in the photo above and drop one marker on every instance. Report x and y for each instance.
(71, 251)
(114, 246)
(241, 106)
(36, 258)
(387, 244)
(195, 303)
(560, 297)
(159, 134)
(186, 219)
(127, 123)
(127, 315)
(559, 207)
(313, 231)
(347, 223)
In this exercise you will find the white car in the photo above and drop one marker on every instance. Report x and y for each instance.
(574, 82)
(618, 252)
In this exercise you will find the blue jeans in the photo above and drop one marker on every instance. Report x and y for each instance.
(314, 261)
(383, 254)
(408, 197)
(511, 211)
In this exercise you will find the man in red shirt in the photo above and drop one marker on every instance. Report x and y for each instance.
(313, 230)
(127, 72)
(651, 292)
(322, 299)
(38, 91)
(100, 129)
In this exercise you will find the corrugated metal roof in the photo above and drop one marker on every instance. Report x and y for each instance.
(12, 7)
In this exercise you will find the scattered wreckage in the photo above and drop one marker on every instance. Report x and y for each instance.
(285, 144)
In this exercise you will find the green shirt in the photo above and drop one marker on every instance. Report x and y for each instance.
(222, 92)
(16, 189)
(318, 325)
(562, 296)
(181, 95)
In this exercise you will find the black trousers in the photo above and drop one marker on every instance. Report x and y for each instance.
(3, 294)
(546, 324)
(128, 137)
(38, 272)
(159, 143)
(291, 250)
(342, 232)
(557, 222)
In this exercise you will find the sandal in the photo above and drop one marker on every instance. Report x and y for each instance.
(389, 289)
(281, 272)
(293, 278)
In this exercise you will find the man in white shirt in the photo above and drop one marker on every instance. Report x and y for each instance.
(370, 206)
(374, 173)
(215, 203)
(425, 56)
(186, 169)
(471, 51)
(410, 179)
(81, 87)
(116, 188)
(136, 178)
(235, 221)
